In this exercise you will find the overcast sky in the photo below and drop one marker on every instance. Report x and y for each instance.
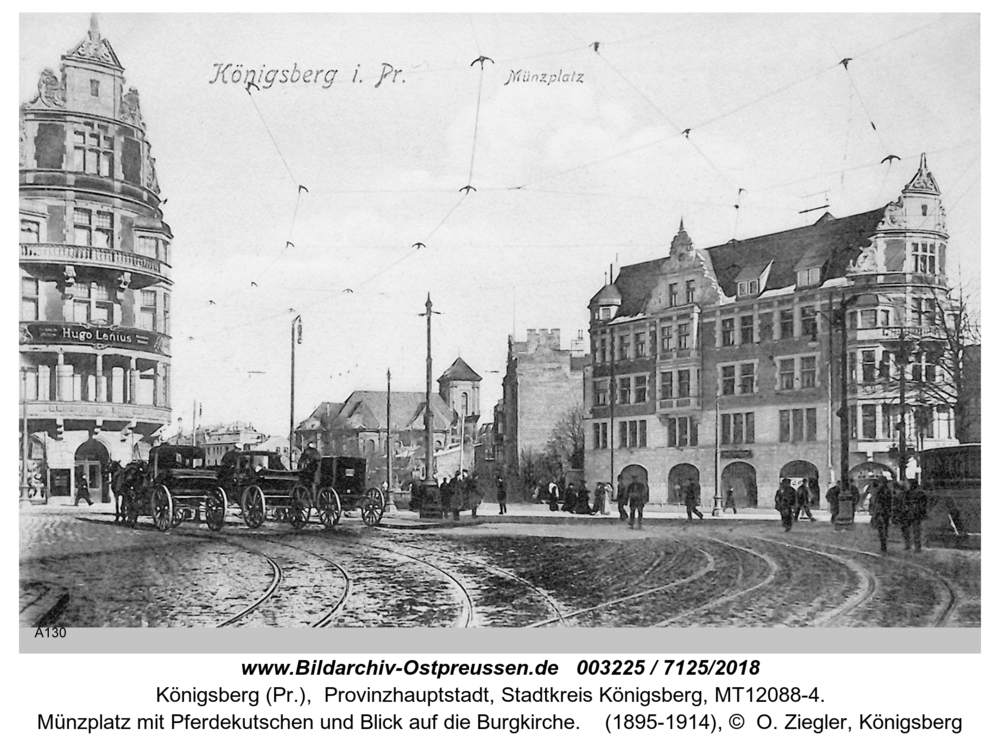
(569, 177)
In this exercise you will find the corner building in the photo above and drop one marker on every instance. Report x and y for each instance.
(95, 274)
(722, 365)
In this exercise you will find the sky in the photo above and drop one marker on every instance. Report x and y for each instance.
(572, 176)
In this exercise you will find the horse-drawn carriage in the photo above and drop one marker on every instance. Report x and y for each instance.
(174, 486)
(266, 489)
(337, 485)
(330, 485)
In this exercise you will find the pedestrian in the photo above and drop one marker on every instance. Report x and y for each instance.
(730, 501)
(606, 499)
(802, 500)
(881, 509)
(833, 496)
(583, 499)
(692, 499)
(553, 491)
(638, 495)
(501, 495)
(621, 499)
(855, 497)
(600, 499)
(784, 502)
(83, 492)
(569, 505)
(913, 511)
(471, 488)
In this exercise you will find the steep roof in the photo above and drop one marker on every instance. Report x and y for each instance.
(364, 410)
(459, 371)
(832, 243)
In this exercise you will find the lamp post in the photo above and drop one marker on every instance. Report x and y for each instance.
(430, 498)
(25, 486)
(296, 327)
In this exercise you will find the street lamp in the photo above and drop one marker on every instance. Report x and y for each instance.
(296, 328)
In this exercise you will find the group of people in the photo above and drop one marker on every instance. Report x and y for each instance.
(577, 499)
(903, 504)
(460, 493)
(793, 503)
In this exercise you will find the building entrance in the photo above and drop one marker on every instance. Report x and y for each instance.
(91, 463)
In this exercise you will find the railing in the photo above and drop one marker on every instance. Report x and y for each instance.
(895, 333)
(78, 409)
(114, 258)
(678, 403)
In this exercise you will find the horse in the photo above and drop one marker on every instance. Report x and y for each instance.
(125, 482)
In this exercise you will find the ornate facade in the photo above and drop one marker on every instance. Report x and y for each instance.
(722, 365)
(95, 273)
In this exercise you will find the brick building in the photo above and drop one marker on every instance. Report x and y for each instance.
(95, 272)
(722, 365)
(542, 383)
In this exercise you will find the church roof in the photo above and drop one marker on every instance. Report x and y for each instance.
(364, 410)
(459, 371)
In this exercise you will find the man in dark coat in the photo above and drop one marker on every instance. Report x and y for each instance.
(692, 499)
(833, 496)
(802, 500)
(638, 495)
(912, 512)
(784, 502)
(569, 504)
(881, 509)
(622, 499)
(730, 501)
(501, 495)
(583, 500)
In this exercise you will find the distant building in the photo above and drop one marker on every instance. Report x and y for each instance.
(95, 273)
(218, 440)
(543, 382)
(359, 425)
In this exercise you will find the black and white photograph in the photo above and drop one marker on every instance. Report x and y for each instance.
(499, 321)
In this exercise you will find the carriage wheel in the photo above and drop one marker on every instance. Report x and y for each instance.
(130, 509)
(373, 507)
(178, 516)
(298, 508)
(254, 506)
(162, 508)
(215, 509)
(328, 507)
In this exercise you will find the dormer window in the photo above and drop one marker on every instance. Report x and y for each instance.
(807, 277)
(604, 313)
(748, 288)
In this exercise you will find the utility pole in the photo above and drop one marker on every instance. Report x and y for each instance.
(904, 359)
(430, 504)
(296, 326)
(390, 504)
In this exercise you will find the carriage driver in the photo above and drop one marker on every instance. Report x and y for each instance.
(309, 462)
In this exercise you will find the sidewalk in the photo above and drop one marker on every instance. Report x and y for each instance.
(489, 513)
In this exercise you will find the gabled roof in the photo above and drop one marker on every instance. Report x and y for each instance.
(364, 410)
(95, 48)
(459, 371)
(830, 242)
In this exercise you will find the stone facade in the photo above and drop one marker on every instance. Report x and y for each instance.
(95, 273)
(722, 365)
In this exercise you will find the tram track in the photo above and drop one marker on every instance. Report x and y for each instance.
(549, 601)
(946, 610)
(866, 591)
(773, 570)
(706, 569)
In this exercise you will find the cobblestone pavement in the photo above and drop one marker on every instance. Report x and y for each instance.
(580, 573)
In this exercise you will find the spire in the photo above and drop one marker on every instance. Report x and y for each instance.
(923, 181)
(95, 29)
(681, 243)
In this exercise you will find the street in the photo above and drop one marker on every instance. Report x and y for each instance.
(79, 569)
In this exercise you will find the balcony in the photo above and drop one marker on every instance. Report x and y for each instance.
(677, 404)
(889, 334)
(90, 411)
(145, 270)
